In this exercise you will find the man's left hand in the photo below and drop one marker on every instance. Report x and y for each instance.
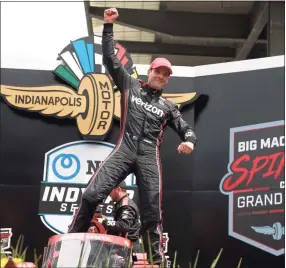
(186, 147)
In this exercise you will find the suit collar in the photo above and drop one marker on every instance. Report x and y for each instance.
(152, 92)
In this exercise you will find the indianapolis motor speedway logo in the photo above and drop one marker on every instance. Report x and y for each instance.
(87, 93)
(255, 184)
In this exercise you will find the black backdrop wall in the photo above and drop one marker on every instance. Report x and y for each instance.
(196, 212)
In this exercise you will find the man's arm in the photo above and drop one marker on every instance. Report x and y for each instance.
(184, 130)
(118, 73)
(124, 222)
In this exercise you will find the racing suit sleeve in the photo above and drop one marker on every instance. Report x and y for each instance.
(117, 71)
(184, 130)
(124, 222)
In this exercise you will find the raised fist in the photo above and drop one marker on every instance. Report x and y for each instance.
(110, 15)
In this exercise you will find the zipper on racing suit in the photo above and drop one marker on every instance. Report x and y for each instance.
(144, 123)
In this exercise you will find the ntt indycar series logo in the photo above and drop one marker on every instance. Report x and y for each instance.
(255, 184)
(68, 169)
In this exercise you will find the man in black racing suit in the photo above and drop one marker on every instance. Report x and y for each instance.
(126, 222)
(144, 117)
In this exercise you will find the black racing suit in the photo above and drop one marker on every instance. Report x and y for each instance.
(126, 222)
(144, 118)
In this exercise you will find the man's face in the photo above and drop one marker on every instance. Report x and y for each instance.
(114, 194)
(158, 78)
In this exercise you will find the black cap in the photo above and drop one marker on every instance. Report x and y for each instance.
(122, 185)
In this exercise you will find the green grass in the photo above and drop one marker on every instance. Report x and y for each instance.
(20, 252)
(214, 263)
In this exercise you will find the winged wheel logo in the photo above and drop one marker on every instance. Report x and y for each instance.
(88, 94)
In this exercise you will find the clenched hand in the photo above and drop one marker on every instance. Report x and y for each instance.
(110, 15)
(186, 147)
